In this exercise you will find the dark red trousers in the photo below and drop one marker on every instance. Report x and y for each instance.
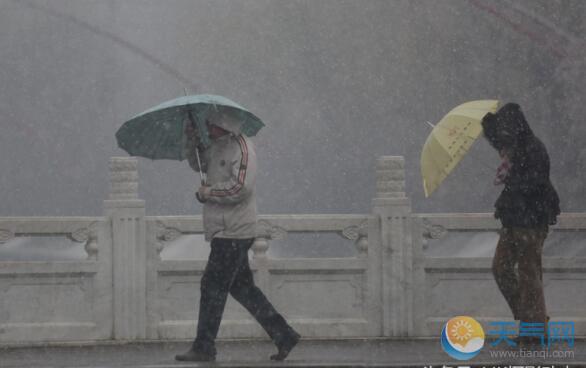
(518, 272)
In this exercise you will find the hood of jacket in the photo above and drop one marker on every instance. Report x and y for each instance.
(508, 128)
(227, 121)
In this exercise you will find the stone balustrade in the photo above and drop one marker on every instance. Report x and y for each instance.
(124, 289)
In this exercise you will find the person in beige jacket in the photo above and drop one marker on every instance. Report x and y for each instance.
(229, 217)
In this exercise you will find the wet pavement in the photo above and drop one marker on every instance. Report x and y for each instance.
(309, 353)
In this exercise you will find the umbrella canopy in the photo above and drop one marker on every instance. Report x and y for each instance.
(450, 139)
(158, 133)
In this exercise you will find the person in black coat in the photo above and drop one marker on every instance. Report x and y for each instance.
(526, 207)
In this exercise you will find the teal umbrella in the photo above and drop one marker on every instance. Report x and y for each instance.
(158, 133)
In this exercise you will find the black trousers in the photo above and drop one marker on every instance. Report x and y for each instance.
(228, 271)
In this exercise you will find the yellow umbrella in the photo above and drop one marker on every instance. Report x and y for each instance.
(450, 139)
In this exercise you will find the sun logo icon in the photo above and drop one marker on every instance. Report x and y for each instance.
(461, 331)
(462, 338)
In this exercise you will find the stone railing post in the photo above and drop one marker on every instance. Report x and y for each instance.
(127, 216)
(265, 233)
(396, 256)
(261, 261)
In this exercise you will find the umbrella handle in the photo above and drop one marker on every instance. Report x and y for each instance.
(202, 175)
(191, 121)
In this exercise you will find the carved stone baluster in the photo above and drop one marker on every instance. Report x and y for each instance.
(260, 260)
(164, 234)
(396, 251)
(359, 234)
(88, 236)
(260, 247)
(265, 232)
(91, 248)
(5, 235)
(123, 178)
(433, 231)
(362, 245)
(129, 261)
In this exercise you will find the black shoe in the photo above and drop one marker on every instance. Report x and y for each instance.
(195, 356)
(286, 346)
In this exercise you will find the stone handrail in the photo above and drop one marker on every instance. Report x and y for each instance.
(486, 221)
(125, 291)
(77, 229)
(351, 227)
